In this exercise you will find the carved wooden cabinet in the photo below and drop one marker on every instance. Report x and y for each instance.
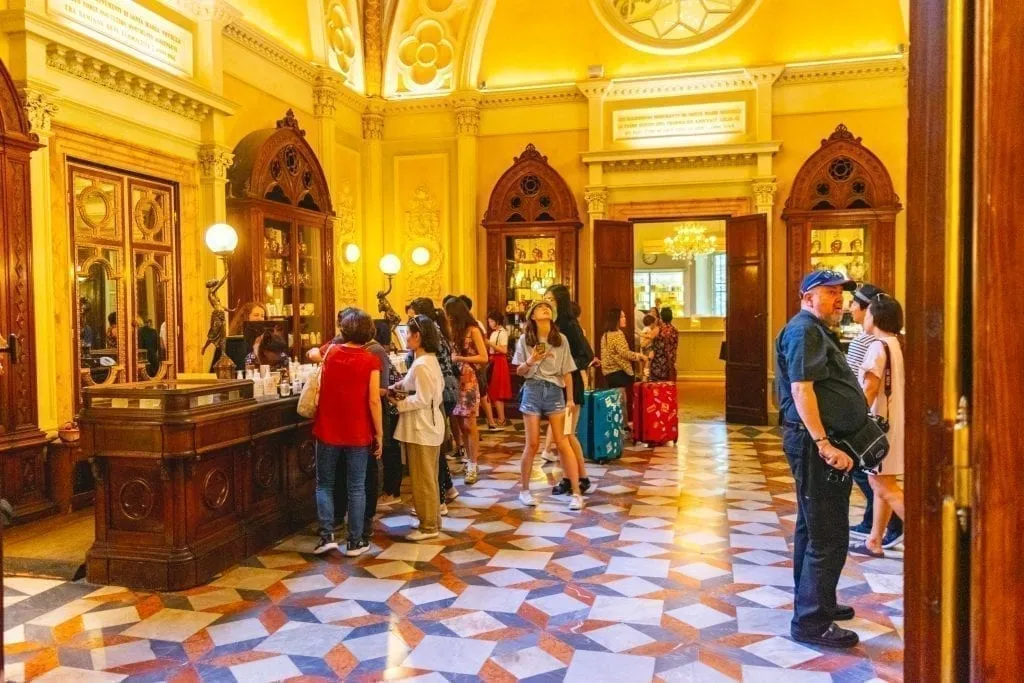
(841, 215)
(191, 477)
(532, 225)
(22, 444)
(279, 202)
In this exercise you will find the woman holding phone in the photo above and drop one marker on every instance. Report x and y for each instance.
(544, 360)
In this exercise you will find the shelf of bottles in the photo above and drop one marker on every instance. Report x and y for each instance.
(530, 268)
(843, 250)
(293, 279)
(658, 289)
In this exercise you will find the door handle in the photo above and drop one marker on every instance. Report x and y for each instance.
(11, 348)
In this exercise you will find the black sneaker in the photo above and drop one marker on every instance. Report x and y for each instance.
(861, 530)
(892, 539)
(562, 488)
(326, 543)
(584, 484)
(835, 636)
(356, 548)
(844, 613)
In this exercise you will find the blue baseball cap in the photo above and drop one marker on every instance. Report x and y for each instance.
(826, 278)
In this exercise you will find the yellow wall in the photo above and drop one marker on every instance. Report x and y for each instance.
(260, 109)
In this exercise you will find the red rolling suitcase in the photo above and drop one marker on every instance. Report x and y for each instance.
(655, 412)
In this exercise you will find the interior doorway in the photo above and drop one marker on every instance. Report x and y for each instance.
(681, 265)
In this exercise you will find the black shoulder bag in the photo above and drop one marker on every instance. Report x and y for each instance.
(869, 445)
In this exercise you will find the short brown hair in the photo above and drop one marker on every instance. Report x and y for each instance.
(357, 327)
(887, 314)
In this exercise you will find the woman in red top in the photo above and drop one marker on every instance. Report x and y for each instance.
(348, 428)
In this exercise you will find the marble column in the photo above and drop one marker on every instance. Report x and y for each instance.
(40, 110)
(465, 258)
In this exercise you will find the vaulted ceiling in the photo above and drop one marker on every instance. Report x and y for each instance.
(432, 47)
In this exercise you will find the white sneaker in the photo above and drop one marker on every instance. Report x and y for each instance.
(548, 456)
(527, 498)
(444, 510)
(576, 502)
(472, 475)
(420, 536)
(451, 494)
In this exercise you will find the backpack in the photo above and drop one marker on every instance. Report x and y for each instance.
(452, 382)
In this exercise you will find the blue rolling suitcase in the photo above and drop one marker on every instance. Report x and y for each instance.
(601, 427)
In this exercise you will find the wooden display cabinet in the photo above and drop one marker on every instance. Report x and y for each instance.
(841, 215)
(532, 226)
(279, 203)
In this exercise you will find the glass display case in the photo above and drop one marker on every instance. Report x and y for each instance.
(283, 258)
(173, 396)
(531, 267)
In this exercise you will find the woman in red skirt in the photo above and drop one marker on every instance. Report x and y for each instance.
(499, 389)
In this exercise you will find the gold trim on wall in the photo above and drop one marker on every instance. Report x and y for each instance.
(681, 208)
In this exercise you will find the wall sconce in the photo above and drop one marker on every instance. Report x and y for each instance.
(221, 239)
(351, 252)
(421, 256)
(390, 265)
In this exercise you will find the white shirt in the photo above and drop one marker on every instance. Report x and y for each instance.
(499, 338)
(421, 414)
(891, 407)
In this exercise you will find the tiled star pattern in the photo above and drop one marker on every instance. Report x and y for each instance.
(684, 574)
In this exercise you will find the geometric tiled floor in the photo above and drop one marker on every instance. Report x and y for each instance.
(678, 570)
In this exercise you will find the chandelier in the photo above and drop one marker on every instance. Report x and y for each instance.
(690, 240)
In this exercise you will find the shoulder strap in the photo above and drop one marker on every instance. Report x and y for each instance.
(888, 369)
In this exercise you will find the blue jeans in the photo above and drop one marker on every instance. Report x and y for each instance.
(542, 398)
(355, 459)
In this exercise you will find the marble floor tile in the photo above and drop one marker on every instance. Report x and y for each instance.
(452, 655)
(411, 552)
(111, 617)
(701, 571)
(755, 528)
(532, 661)
(782, 651)
(492, 527)
(520, 559)
(776, 543)
(68, 674)
(393, 568)
(467, 556)
(605, 667)
(266, 670)
(29, 585)
(619, 637)
(628, 610)
(214, 598)
(172, 624)
(770, 622)
(558, 603)
(762, 516)
(338, 611)
(237, 631)
(891, 584)
(699, 616)
(764, 674)
(313, 582)
(542, 529)
(650, 522)
(431, 592)
(646, 535)
(58, 616)
(275, 560)
(114, 656)
(491, 599)
(594, 532)
(633, 586)
(533, 543)
(694, 672)
(304, 640)
(768, 596)
(472, 624)
(633, 566)
(370, 590)
(579, 563)
(764, 576)
(643, 550)
(388, 644)
(762, 557)
(250, 578)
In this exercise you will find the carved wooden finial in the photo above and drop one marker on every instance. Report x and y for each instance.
(289, 121)
(840, 133)
(530, 153)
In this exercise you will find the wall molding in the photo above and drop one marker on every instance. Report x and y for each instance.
(844, 70)
(79, 64)
(681, 157)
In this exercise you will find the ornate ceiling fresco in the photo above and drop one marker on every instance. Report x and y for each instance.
(673, 26)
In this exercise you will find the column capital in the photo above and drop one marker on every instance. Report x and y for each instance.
(325, 92)
(467, 113)
(39, 108)
(764, 190)
(373, 119)
(594, 89)
(214, 162)
(596, 197)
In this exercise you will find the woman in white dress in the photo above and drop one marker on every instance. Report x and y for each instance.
(883, 381)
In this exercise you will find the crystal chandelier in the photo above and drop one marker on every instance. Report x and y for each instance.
(690, 240)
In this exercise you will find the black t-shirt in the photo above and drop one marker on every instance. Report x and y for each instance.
(582, 354)
(807, 351)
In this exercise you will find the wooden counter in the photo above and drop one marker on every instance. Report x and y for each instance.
(191, 478)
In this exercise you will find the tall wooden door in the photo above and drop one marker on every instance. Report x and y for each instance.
(746, 321)
(613, 274)
(964, 246)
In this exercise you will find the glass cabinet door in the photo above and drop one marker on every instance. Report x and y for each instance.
(278, 269)
(844, 249)
(310, 289)
(531, 266)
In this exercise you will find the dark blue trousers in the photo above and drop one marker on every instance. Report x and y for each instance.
(822, 533)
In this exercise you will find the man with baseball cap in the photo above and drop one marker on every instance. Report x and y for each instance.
(862, 298)
(819, 398)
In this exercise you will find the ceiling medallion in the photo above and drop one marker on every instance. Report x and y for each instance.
(673, 26)
(689, 241)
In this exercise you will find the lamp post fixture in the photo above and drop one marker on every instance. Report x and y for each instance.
(389, 265)
(221, 239)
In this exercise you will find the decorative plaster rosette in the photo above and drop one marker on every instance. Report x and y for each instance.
(673, 26)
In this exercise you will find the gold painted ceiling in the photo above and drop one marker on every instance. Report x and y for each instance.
(437, 46)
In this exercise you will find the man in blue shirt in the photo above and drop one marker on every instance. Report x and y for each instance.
(819, 397)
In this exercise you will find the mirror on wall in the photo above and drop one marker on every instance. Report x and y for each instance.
(150, 322)
(98, 326)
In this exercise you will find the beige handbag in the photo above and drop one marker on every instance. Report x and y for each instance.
(309, 399)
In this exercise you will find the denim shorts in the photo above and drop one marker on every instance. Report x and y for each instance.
(542, 398)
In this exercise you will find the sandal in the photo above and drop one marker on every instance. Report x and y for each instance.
(863, 549)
